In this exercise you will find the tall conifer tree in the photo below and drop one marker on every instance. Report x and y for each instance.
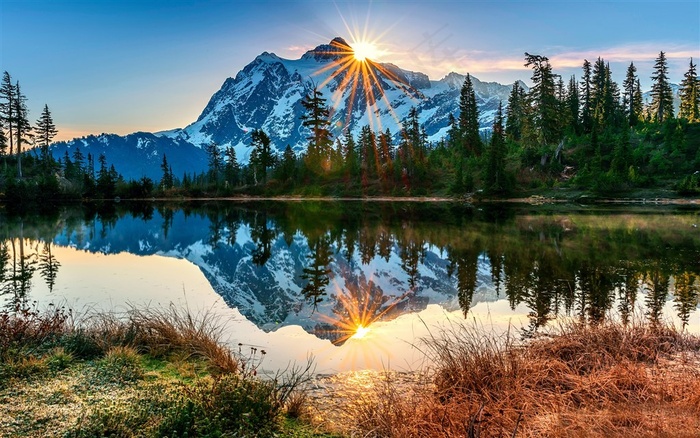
(514, 113)
(629, 90)
(469, 119)
(661, 93)
(586, 98)
(45, 131)
(690, 95)
(23, 128)
(495, 178)
(317, 119)
(543, 99)
(7, 108)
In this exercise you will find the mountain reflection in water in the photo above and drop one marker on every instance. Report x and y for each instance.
(336, 268)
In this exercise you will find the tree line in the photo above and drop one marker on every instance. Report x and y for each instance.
(533, 261)
(588, 134)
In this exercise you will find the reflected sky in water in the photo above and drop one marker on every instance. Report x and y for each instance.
(299, 279)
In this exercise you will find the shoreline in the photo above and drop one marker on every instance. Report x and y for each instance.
(530, 200)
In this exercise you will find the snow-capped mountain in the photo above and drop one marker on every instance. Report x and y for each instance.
(267, 95)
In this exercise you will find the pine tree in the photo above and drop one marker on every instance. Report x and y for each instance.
(166, 181)
(514, 113)
(469, 119)
(386, 149)
(45, 131)
(232, 169)
(288, 165)
(262, 157)
(22, 126)
(543, 99)
(215, 162)
(78, 160)
(351, 158)
(3, 142)
(368, 153)
(572, 106)
(7, 108)
(661, 93)
(638, 101)
(629, 90)
(495, 177)
(317, 119)
(690, 95)
(586, 98)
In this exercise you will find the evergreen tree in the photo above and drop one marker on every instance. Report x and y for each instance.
(629, 91)
(68, 166)
(262, 157)
(661, 93)
(412, 147)
(45, 131)
(3, 142)
(586, 98)
(232, 169)
(543, 99)
(106, 178)
(469, 119)
(604, 94)
(368, 153)
(351, 158)
(79, 160)
(572, 106)
(287, 169)
(215, 162)
(495, 177)
(22, 126)
(166, 181)
(7, 108)
(386, 149)
(690, 95)
(638, 101)
(514, 113)
(317, 119)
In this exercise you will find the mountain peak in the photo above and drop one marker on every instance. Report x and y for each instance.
(333, 50)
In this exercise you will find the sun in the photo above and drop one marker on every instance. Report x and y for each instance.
(363, 51)
(360, 332)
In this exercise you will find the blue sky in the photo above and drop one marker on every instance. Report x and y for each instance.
(125, 66)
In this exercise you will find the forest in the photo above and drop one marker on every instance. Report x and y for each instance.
(585, 136)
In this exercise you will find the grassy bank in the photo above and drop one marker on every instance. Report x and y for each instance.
(154, 373)
(145, 373)
(579, 381)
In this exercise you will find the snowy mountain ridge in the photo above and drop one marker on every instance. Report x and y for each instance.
(267, 93)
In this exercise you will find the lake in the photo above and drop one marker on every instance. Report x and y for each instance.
(357, 285)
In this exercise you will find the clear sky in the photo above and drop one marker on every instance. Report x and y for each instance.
(150, 65)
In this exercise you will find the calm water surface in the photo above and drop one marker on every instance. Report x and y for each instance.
(357, 285)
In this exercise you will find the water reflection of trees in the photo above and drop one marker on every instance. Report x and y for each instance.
(578, 264)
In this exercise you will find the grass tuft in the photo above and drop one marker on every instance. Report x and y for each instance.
(578, 380)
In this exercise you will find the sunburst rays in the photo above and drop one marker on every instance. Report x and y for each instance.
(361, 79)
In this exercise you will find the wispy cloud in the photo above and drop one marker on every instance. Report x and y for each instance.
(638, 53)
(439, 63)
(298, 50)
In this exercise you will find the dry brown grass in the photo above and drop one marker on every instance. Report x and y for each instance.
(579, 381)
(173, 331)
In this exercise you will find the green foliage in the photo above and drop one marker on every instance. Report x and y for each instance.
(120, 365)
(589, 135)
